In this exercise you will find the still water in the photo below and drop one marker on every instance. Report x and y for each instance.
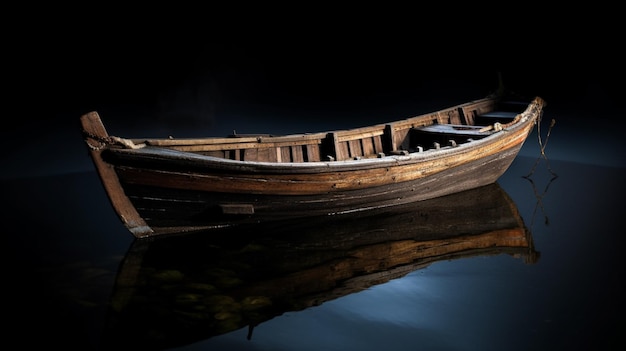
(72, 268)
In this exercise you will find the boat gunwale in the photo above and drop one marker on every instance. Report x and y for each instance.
(165, 153)
(170, 142)
(349, 164)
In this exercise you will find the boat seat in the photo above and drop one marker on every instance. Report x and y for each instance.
(436, 135)
(453, 129)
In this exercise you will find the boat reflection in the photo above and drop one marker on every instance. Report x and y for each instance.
(178, 290)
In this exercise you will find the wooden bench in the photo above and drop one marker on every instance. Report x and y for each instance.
(439, 135)
(453, 129)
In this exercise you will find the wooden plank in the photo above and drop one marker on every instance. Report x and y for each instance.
(201, 141)
(297, 154)
(342, 151)
(217, 153)
(350, 135)
(412, 122)
(480, 106)
(442, 117)
(368, 147)
(473, 109)
(263, 155)
(378, 144)
(313, 153)
(469, 114)
(272, 154)
(295, 138)
(401, 139)
(93, 128)
(354, 147)
(300, 139)
(250, 155)
(247, 145)
(285, 154)
(455, 116)
(279, 154)
(341, 148)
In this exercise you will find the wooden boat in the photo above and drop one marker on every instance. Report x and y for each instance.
(160, 186)
(175, 290)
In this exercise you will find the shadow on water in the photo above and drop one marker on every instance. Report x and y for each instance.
(179, 290)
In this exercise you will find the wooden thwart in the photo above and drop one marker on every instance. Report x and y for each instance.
(453, 129)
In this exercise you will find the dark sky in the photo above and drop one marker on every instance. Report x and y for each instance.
(73, 65)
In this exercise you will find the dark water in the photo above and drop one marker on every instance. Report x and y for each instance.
(66, 248)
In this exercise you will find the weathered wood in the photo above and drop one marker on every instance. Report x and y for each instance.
(95, 137)
(360, 133)
(203, 141)
(414, 159)
(313, 153)
(296, 154)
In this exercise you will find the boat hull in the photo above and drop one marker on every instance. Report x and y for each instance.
(164, 186)
(176, 208)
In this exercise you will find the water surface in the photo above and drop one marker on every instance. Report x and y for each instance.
(66, 247)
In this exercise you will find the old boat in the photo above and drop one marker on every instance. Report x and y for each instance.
(171, 185)
(177, 290)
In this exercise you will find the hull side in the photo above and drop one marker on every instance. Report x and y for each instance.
(168, 210)
(184, 171)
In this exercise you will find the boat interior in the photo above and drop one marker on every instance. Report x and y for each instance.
(443, 129)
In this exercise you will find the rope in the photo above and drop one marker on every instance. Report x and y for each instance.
(103, 142)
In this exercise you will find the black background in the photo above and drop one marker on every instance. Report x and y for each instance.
(70, 63)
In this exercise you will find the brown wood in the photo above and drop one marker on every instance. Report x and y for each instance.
(414, 159)
(96, 136)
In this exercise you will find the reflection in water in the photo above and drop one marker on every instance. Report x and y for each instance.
(542, 148)
(539, 197)
(174, 291)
